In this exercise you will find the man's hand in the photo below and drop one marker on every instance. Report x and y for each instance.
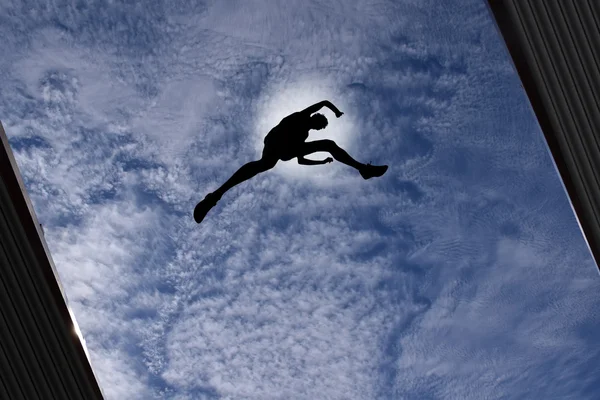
(339, 114)
(304, 161)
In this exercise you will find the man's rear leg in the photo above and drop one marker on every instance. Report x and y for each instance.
(366, 170)
(244, 173)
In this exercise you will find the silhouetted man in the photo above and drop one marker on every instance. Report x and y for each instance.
(286, 141)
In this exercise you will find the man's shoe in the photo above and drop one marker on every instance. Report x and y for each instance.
(372, 171)
(204, 207)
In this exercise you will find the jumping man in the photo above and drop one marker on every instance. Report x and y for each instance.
(286, 141)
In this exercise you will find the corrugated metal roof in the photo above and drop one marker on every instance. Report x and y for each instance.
(41, 354)
(555, 46)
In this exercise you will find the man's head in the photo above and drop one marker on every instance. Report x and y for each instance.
(318, 121)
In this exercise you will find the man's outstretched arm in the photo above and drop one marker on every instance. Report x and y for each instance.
(304, 161)
(325, 103)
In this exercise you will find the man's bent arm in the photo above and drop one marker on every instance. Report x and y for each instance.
(333, 108)
(304, 161)
(317, 106)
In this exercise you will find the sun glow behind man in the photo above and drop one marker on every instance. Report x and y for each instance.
(289, 140)
(283, 99)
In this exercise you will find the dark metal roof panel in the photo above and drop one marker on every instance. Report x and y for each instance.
(555, 47)
(41, 354)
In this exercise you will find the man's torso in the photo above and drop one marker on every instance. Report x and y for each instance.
(292, 130)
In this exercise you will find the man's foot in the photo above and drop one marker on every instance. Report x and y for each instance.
(372, 171)
(204, 207)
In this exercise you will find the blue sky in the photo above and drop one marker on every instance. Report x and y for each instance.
(460, 274)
